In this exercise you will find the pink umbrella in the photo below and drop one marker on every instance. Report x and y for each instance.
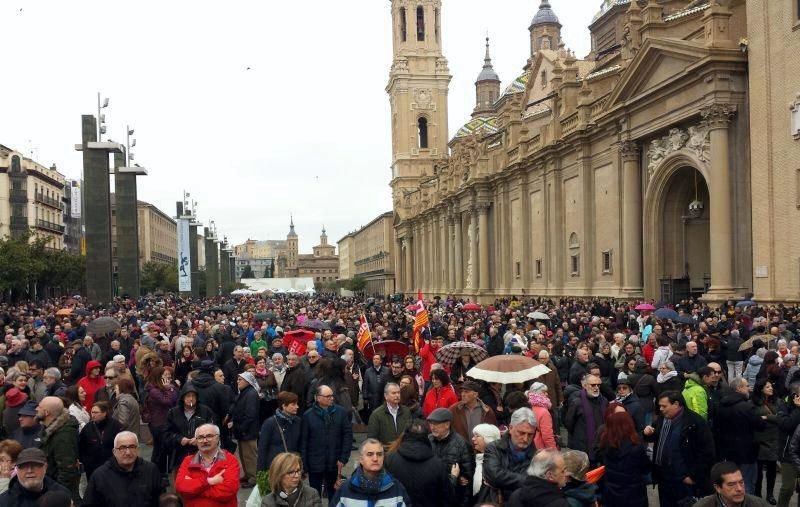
(645, 307)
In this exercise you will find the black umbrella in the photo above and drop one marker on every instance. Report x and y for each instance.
(316, 325)
(102, 326)
(264, 316)
(666, 314)
(684, 319)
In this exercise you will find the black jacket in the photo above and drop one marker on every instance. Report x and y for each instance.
(270, 443)
(372, 386)
(788, 421)
(575, 421)
(536, 492)
(426, 477)
(244, 414)
(78, 366)
(28, 437)
(215, 396)
(576, 372)
(96, 442)
(17, 496)
(624, 480)
(179, 427)
(295, 381)
(500, 470)
(231, 369)
(696, 450)
(739, 421)
(323, 443)
(111, 486)
(454, 449)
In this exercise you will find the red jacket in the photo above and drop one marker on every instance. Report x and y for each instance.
(443, 397)
(91, 385)
(428, 355)
(191, 482)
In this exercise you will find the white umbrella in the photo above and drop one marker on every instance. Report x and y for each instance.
(538, 316)
(507, 369)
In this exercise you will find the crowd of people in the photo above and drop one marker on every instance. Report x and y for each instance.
(703, 404)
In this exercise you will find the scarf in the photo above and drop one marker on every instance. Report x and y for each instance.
(262, 371)
(371, 487)
(477, 479)
(325, 413)
(663, 377)
(539, 400)
(591, 424)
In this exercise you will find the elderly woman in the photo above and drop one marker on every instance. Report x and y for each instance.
(540, 404)
(482, 435)
(9, 450)
(286, 484)
(667, 379)
(278, 369)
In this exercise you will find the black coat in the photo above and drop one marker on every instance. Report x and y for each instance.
(231, 369)
(323, 444)
(500, 470)
(788, 421)
(270, 443)
(111, 486)
(536, 492)
(294, 381)
(78, 366)
(372, 386)
(696, 448)
(624, 480)
(215, 396)
(454, 449)
(178, 427)
(673, 384)
(17, 496)
(739, 420)
(576, 372)
(245, 414)
(575, 422)
(96, 442)
(426, 477)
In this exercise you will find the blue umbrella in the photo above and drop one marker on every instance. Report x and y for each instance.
(684, 319)
(742, 304)
(666, 314)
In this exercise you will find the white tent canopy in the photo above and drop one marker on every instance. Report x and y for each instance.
(303, 285)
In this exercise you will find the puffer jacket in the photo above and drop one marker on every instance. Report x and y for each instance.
(695, 396)
(191, 482)
(454, 449)
(356, 493)
(752, 369)
(501, 470)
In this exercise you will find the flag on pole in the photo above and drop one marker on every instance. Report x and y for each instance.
(364, 335)
(420, 322)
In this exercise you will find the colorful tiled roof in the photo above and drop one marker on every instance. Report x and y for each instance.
(481, 124)
(518, 85)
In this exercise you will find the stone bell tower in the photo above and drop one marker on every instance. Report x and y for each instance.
(418, 85)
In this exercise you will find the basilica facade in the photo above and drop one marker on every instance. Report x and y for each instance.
(629, 173)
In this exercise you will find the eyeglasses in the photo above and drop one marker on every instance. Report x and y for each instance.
(205, 437)
(325, 395)
(110, 377)
(595, 385)
(294, 472)
(132, 447)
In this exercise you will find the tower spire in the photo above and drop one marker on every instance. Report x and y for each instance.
(487, 86)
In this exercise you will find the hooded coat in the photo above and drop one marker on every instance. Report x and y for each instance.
(179, 427)
(215, 396)
(91, 385)
(536, 492)
(426, 477)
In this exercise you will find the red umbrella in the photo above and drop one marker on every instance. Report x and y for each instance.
(471, 307)
(645, 307)
(387, 349)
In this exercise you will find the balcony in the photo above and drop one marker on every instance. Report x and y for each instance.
(18, 195)
(48, 201)
(50, 226)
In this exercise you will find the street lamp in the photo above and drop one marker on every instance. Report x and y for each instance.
(129, 145)
(102, 103)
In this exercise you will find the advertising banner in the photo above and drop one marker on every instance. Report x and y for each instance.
(184, 256)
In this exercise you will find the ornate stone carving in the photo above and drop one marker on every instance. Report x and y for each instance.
(718, 115)
(629, 150)
(794, 107)
(700, 142)
(696, 139)
(422, 98)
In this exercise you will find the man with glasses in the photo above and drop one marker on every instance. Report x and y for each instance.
(31, 481)
(505, 460)
(52, 379)
(211, 475)
(325, 442)
(109, 392)
(370, 483)
(585, 415)
(125, 480)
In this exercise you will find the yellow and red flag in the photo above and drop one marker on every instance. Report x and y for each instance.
(364, 335)
(420, 322)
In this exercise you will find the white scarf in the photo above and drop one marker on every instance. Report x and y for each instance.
(663, 377)
(477, 479)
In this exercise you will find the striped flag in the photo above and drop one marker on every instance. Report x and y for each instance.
(420, 322)
(364, 336)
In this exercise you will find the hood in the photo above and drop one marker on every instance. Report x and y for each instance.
(203, 380)
(92, 365)
(251, 379)
(188, 388)
(731, 398)
(582, 491)
(693, 380)
(414, 449)
(539, 400)
(755, 360)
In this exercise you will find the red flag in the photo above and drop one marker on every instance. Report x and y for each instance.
(364, 335)
(420, 322)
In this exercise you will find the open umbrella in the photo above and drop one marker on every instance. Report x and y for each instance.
(667, 314)
(102, 326)
(451, 352)
(82, 312)
(296, 341)
(264, 316)
(645, 307)
(507, 369)
(386, 349)
(64, 312)
(684, 319)
(748, 344)
(745, 303)
(316, 325)
(538, 316)
(471, 307)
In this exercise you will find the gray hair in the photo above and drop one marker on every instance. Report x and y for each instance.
(123, 434)
(388, 385)
(738, 382)
(318, 390)
(213, 426)
(53, 372)
(543, 461)
(365, 443)
(523, 415)
(277, 355)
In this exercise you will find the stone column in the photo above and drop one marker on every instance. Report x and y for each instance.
(193, 239)
(451, 256)
(483, 241)
(408, 280)
(632, 281)
(458, 250)
(212, 265)
(527, 234)
(473, 250)
(717, 117)
(441, 262)
(127, 219)
(225, 263)
(422, 280)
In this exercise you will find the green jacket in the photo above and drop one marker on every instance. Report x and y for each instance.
(60, 444)
(696, 397)
(382, 425)
(257, 344)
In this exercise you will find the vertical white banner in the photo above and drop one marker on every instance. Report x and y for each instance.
(75, 200)
(184, 257)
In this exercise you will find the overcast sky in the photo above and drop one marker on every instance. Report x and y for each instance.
(305, 130)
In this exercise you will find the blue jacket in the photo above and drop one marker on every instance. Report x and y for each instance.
(323, 444)
(352, 494)
(270, 443)
(245, 415)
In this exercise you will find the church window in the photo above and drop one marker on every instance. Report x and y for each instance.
(538, 268)
(517, 269)
(544, 79)
(607, 262)
(575, 264)
(403, 25)
(420, 23)
(422, 127)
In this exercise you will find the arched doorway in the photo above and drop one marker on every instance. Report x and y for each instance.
(677, 230)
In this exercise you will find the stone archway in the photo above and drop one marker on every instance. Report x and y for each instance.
(677, 240)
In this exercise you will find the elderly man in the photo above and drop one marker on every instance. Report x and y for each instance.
(374, 381)
(451, 448)
(579, 368)
(211, 475)
(470, 411)
(234, 366)
(294, 379)
(691, 362)
(31, 481)
(391, 419)
(29, 432)
(60, 442)
(585, 414)
(370, 483)
(125, 480)
(505, 460)
(52, 379)
(547, 474)
(325, 441)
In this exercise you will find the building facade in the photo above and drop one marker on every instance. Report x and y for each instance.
(369, 253)
(625, 174)
(31, 198)
(322, 264)
(158, 235)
